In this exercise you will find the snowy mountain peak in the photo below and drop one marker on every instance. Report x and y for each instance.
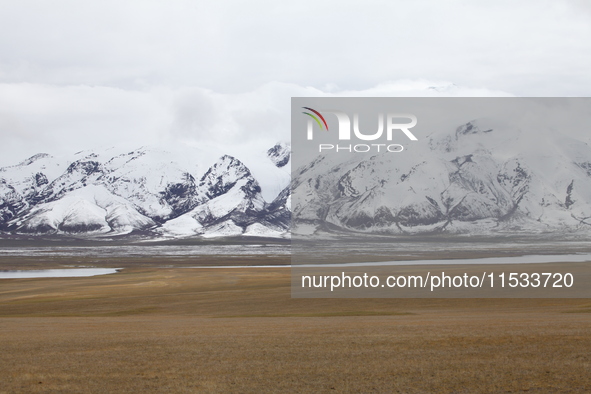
(222, 176)
(85, 168)
(482, 177)
(280, 154)
(147, 189)
(33, 159)
(471, 127)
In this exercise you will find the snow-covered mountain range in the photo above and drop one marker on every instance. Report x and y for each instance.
(152, 191)
(482, 177)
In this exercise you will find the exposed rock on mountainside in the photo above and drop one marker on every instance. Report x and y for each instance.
(474, 179)
(148, 190)
(280, 154)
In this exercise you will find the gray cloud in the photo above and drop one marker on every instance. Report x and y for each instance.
(64, 119)
(530, 47)
(76, 75)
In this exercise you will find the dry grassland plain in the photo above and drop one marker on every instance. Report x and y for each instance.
(185, 330)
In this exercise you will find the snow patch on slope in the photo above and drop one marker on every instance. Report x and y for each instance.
(91, 209)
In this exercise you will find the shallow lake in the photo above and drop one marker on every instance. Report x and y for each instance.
(57, 273)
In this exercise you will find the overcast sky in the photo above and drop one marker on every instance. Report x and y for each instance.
(86, 74)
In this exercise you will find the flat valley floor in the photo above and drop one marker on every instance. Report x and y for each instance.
(149, 329)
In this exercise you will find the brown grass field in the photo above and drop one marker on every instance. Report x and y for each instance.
(186, 330)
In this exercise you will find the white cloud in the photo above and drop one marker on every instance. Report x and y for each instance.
(530, 47)
(78, 74)
(43, 118)
(64, 119)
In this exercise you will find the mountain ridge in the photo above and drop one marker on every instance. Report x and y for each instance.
(480, 178)
(105, 193)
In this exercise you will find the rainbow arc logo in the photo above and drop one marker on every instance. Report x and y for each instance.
(316, 118)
